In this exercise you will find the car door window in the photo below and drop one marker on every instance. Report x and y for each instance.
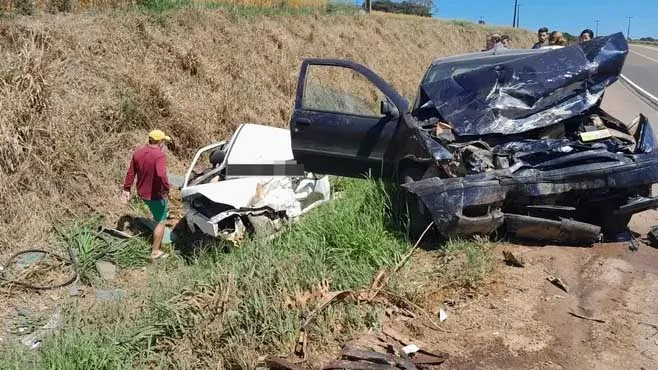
(341, 90)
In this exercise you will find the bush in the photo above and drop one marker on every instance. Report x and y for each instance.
(64, 6)
(404, 7)
(26, 7)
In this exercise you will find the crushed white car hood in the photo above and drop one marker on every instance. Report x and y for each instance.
(251, 192)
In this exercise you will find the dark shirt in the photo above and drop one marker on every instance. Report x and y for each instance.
(538, 45)
(149, 165)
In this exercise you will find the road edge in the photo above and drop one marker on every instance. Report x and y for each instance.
(645, 95)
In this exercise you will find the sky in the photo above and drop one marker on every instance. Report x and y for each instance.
(569, 16)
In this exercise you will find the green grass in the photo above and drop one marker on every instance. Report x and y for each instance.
(474, 261)
(89, 246)
(228, 307)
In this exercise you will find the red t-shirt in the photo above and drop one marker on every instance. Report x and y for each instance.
(149, 164)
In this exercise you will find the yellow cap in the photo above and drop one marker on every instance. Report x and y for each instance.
(158, 135)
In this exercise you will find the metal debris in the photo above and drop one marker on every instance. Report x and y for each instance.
(34, 340)
(586, 317)
(513, 259)
(380, 354)
(558, 283)
(110, 295)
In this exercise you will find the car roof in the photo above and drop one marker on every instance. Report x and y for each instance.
(488, 54)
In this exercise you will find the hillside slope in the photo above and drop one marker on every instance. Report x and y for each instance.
(79, 91)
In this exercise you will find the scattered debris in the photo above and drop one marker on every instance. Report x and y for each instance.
(443, 316)
(558, 283)
(301, 346)
(513, 260)
(107, 270)
(655, 327)
(34, 340)
(273, 362)
(653, 236)
(379, 354)
(411, 348)
(634, 245)
(30, 259)
(586, 317)
(110, 295)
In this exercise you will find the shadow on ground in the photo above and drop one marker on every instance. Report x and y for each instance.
(179, 238)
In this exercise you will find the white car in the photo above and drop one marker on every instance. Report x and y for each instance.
(251, 183)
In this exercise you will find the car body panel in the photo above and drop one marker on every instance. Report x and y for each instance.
(351, 143)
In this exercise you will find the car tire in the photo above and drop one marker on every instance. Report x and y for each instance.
(418, 217)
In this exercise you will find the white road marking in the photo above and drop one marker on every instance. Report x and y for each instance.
(644, 56)
(654, 48)
(639, 89)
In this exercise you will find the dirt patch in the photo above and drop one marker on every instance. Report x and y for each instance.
(519, 320)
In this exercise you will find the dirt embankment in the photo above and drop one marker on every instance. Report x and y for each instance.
(77, 92)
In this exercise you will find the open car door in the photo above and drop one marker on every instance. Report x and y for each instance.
(345, 119)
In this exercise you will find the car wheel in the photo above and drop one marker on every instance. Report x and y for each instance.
(417, 215)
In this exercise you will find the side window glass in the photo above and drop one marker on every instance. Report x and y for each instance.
(341, 90)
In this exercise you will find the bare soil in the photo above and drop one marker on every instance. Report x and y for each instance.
(519, 320)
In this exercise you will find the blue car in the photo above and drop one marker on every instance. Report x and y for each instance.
(511, 140)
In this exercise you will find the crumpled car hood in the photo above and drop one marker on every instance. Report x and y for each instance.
(529, 92)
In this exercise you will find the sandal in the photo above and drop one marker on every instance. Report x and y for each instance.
(159, 255)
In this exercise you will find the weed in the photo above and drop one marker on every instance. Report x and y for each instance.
(70, 350)
(25, 7)
(65, 6)
(90, 246)
(162, 5)
(475, 261)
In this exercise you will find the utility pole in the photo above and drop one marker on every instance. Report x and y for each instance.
(518, 15)
(516, 5)
(596, 34)
(628, 34)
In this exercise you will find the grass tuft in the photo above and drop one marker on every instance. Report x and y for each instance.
(474, 261)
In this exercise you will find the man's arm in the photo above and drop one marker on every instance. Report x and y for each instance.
(130, 175)
(161, 172)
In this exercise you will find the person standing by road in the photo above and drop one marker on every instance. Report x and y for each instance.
(506, 41)
(149, 165)
(557, 39)
(542, 38)
(586, 35)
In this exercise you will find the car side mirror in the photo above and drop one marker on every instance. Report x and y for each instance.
(388, 109)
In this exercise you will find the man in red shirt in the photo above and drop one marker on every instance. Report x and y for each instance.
(149, 165)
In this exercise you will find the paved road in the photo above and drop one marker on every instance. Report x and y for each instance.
(641, 67)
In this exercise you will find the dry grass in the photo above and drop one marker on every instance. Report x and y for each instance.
(79, 92)
(53, 6)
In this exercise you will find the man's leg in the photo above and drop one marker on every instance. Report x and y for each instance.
(159, 210)
(158, 235)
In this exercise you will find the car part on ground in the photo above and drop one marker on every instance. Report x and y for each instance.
(251, 184)
(512, 139)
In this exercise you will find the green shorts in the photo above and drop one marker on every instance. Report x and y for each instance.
(158, 209)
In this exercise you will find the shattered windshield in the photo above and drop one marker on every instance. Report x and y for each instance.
(447, 68)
